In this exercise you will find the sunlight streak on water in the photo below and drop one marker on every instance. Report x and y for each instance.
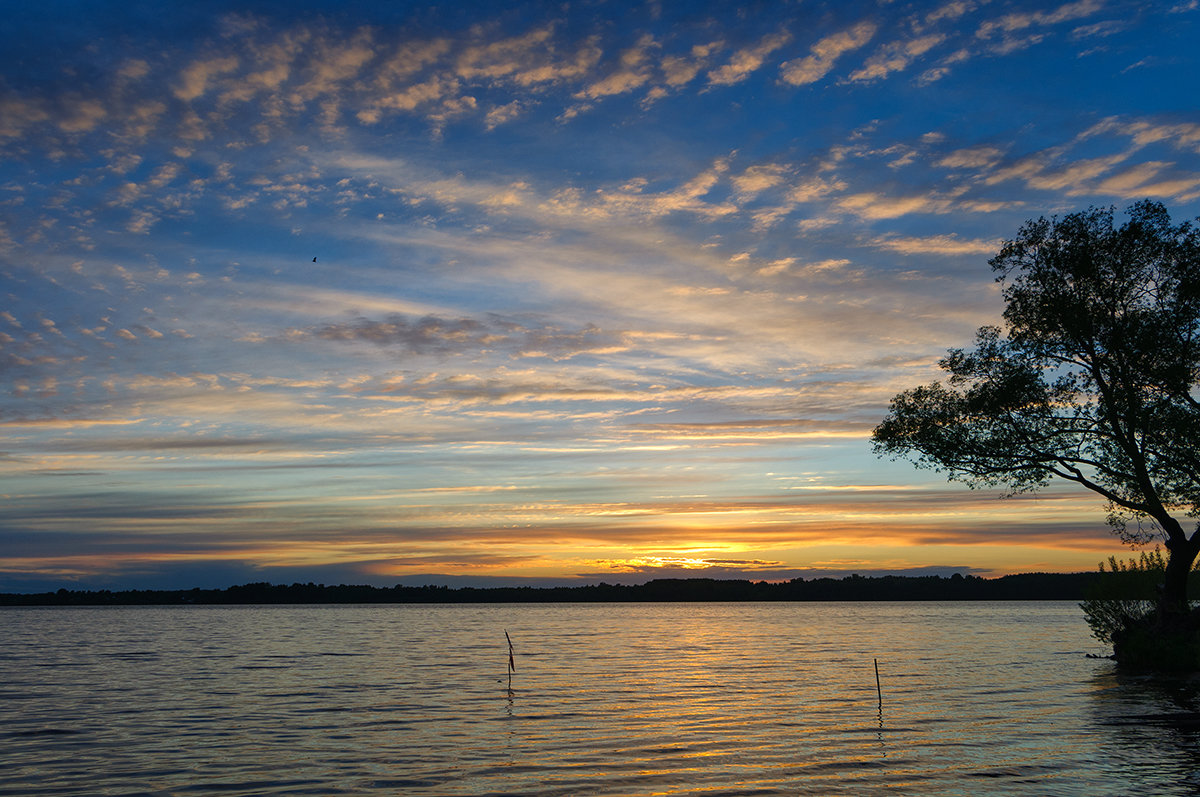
(610, 699)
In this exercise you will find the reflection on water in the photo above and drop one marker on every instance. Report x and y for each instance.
(1153, 726)
(609, 699)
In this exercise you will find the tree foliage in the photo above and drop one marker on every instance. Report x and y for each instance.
(1092, 379)
(1124, 595)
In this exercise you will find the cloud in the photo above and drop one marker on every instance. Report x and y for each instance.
(1143, 180)
(768, 429)
(262, 79)
(896, 56)
(631, 201)
(632, 71)
(679, 70)
(936, 245)
(269, 78)
(1054, 169)
(1142, 133)
(814, 188)
(1100, 29)
(426, 333)
(528, 60)
(1011, 23)
(430, 92)
(824, 54)
(196, 77)
(971, 158)
(572, 68)
(82, 115)
(1004, 35)
(1040, 172)
(331, 64)
(466, 335)
(503, 114)
(747, 60)
(18, 114)
(756, 179)
(952, 10)
(504, 57)
(872, 205)
(70, 423)
(938, 72)
(408, 60)
(133, 69)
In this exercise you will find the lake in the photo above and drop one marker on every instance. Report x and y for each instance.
(607, 699)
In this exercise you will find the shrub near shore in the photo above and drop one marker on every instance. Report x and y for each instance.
(1123, 610)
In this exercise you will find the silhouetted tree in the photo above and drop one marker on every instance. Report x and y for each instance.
(1093, 379)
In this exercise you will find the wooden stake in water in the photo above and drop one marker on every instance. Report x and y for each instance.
(512, 667)
(878, 689)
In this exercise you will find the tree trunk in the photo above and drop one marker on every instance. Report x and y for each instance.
(1181, 553)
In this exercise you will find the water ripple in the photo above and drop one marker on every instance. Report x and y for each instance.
(713, 699)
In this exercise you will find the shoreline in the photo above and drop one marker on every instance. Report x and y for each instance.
(1022, 586)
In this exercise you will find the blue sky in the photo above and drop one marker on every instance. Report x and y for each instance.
(366, 292)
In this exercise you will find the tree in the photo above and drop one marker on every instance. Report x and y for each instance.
(1093, 379)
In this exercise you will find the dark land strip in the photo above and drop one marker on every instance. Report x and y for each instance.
(1024, 586)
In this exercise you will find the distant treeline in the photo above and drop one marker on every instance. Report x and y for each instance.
(1026, 586)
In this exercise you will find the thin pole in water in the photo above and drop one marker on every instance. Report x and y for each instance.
(512, 667)
(878, 689)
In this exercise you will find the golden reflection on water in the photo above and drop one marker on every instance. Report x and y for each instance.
(606, 699)
(741, 701)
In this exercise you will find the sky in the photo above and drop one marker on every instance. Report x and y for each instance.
(475, 293)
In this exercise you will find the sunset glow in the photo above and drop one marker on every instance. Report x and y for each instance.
(379, 293)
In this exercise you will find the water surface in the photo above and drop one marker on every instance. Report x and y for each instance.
(607, 699)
